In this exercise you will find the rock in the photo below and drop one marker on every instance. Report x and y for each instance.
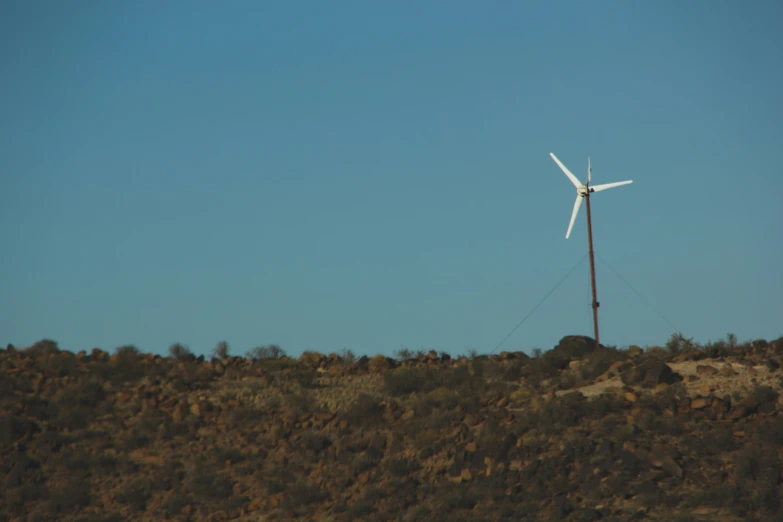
(699, 403)
(671, 467)
(727, 371)
(569, 348)
(650, 373)
(704, 369)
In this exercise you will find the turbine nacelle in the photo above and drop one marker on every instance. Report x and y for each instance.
(583, 190)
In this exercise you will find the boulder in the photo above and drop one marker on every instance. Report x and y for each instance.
(650, 373)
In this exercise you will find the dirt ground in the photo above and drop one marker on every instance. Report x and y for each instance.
(697, 383)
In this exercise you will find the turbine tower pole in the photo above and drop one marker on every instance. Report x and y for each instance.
(592, 263)
(583, 192)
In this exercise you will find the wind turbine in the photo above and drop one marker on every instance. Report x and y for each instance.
(583, 192)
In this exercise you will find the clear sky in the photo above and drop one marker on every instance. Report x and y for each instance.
(373, 175)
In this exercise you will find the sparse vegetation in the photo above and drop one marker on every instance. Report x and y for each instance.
(266, 353)
(221, 350)
(556, 436)
(180, 352)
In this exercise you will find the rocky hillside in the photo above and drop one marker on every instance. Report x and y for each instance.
(682, 433)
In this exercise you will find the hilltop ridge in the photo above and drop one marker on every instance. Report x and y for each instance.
(683, 432)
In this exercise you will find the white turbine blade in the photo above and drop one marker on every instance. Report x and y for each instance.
(567, 172)
(589, 170)
(577, 203)
(599, 188)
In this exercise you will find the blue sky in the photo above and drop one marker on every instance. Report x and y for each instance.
(373, 175)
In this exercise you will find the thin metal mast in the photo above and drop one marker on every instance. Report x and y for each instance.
(592, 258)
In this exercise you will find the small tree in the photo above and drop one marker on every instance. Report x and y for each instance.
(404, 354)
(269, 352)
(221, 350)
(348, 356)
(180, 352)
(679, 343)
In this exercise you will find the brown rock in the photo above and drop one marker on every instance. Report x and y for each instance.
(704, 369)
(727, 371)
(650, 373)
(671, 467)
(502, 402)
(699, 403)
(740, 411)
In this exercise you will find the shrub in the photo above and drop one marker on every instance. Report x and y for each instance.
(305, 377)
(366, 411)
(128, 366)
(764, 394)
(677, 343)
(61, 364)
(13, 428)
(180, 352)
(402, 381)
(42, 347)
(348, 357)
(221, 350)
(311, 358)
(299, 403)
(269, 352)
(303, 493)
(135, 494)
(401, 467)
(25, 495)
(208, 483)
(175, 503)
(600, 361)
(404, 354)
(314, 441)
(378, 364)
(231, 454)
(68, 498)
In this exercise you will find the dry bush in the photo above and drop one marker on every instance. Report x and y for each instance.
(379, 363)
(365, 411)
(208, 482)
(599, 362)
(129, 366)
(400, 467)
(402, 381)
(303, 493)
(42, 347)
(68, 498)
(271, 352)
(221, 350)
(310, 358)
(135, 494)
(180, 352)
